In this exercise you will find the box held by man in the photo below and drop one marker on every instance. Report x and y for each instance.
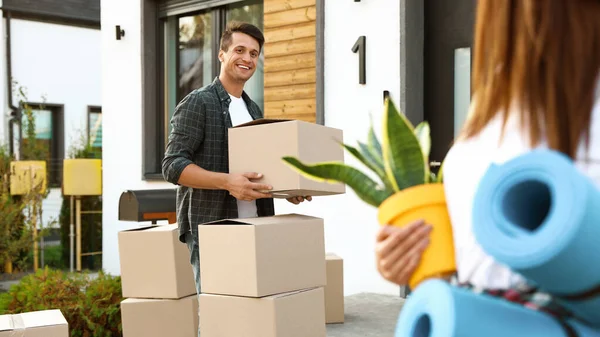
(260, 145)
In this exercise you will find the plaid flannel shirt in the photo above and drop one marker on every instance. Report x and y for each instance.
(199, 136)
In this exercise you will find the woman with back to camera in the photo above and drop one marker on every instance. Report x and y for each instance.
(536, 84)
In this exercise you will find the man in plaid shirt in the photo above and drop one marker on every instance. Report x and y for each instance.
(196, 157)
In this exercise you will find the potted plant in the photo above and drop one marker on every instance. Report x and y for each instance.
(407, 189)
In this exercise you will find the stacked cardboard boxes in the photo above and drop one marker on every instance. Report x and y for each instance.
(263, 277)
(158, 283)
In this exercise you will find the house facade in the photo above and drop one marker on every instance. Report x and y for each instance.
(327, 62)
(50, 58)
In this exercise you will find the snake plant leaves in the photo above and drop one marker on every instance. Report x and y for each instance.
(423, 133)
(440, 174)
(402, 155)
(374, 146)
(364, 187)
(366, 157)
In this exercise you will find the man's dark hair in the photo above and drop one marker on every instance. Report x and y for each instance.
(241, 27)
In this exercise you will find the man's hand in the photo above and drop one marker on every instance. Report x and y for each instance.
(398, 250)
(242, 188)
(298, 200)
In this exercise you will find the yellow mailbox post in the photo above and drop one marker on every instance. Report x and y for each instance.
(27, 176)
(81, 177)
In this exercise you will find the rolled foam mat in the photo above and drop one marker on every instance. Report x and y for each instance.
(437, 309)
(540, 216)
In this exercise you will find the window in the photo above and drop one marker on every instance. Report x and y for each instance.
(184, 46)
(49, 139)
(94, 130)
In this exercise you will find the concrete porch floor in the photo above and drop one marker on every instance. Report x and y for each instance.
(368, 315)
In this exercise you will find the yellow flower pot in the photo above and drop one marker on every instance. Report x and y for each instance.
(426, 202)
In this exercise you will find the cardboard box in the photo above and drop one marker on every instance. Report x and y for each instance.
(262, 256)
(155, 264)
(258, 146)
(160, 318)
(334, 290)
(44, 323)
(294, 314)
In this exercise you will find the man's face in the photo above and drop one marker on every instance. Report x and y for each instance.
(239, 62)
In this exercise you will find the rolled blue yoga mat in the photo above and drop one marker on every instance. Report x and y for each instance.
(540, 216)
(437, 309)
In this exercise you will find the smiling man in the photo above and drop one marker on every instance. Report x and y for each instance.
(196, 158)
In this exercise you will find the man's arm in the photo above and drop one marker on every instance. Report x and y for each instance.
(238, 185)
(185, 138)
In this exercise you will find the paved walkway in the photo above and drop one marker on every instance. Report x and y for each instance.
(368, 315)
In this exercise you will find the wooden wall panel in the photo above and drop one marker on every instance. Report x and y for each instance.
(290, 59)
(291, 47)
(291, 62)
(272, 6)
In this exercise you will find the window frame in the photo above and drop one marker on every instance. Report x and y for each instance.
(154, 120)
(90, 110)
(57, 145)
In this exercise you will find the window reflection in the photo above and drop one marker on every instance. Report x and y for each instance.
(195, 55)
(251, 12)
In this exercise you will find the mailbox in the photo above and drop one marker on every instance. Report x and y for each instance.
(148, 205)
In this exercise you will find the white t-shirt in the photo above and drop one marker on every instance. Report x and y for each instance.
(464, 166)
(238, 111)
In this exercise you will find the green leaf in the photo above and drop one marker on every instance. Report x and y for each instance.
(374, 146)
(402, 156)
(440, 174)
(423, 133)
(364, 187)
(366, 157)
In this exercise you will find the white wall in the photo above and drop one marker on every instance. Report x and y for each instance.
(61, 63)
(350, 224)
(4, 110)
(122, 119)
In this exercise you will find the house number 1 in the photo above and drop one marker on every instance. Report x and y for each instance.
(359, 47)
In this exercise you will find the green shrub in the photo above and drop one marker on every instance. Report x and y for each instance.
(90, 305)
(53, 257)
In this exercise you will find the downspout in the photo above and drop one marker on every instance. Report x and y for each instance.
(14, 112)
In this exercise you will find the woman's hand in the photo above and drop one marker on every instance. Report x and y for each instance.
(399, 249)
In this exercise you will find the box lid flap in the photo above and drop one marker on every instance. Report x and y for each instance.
(162, 228)
(141, 228)
(263, 121)
(43, 318)
(6, 323)
(265, 220)
(332, 256)
(162, 300)
(291, 293)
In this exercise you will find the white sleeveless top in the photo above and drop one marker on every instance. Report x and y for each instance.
(466, 163)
